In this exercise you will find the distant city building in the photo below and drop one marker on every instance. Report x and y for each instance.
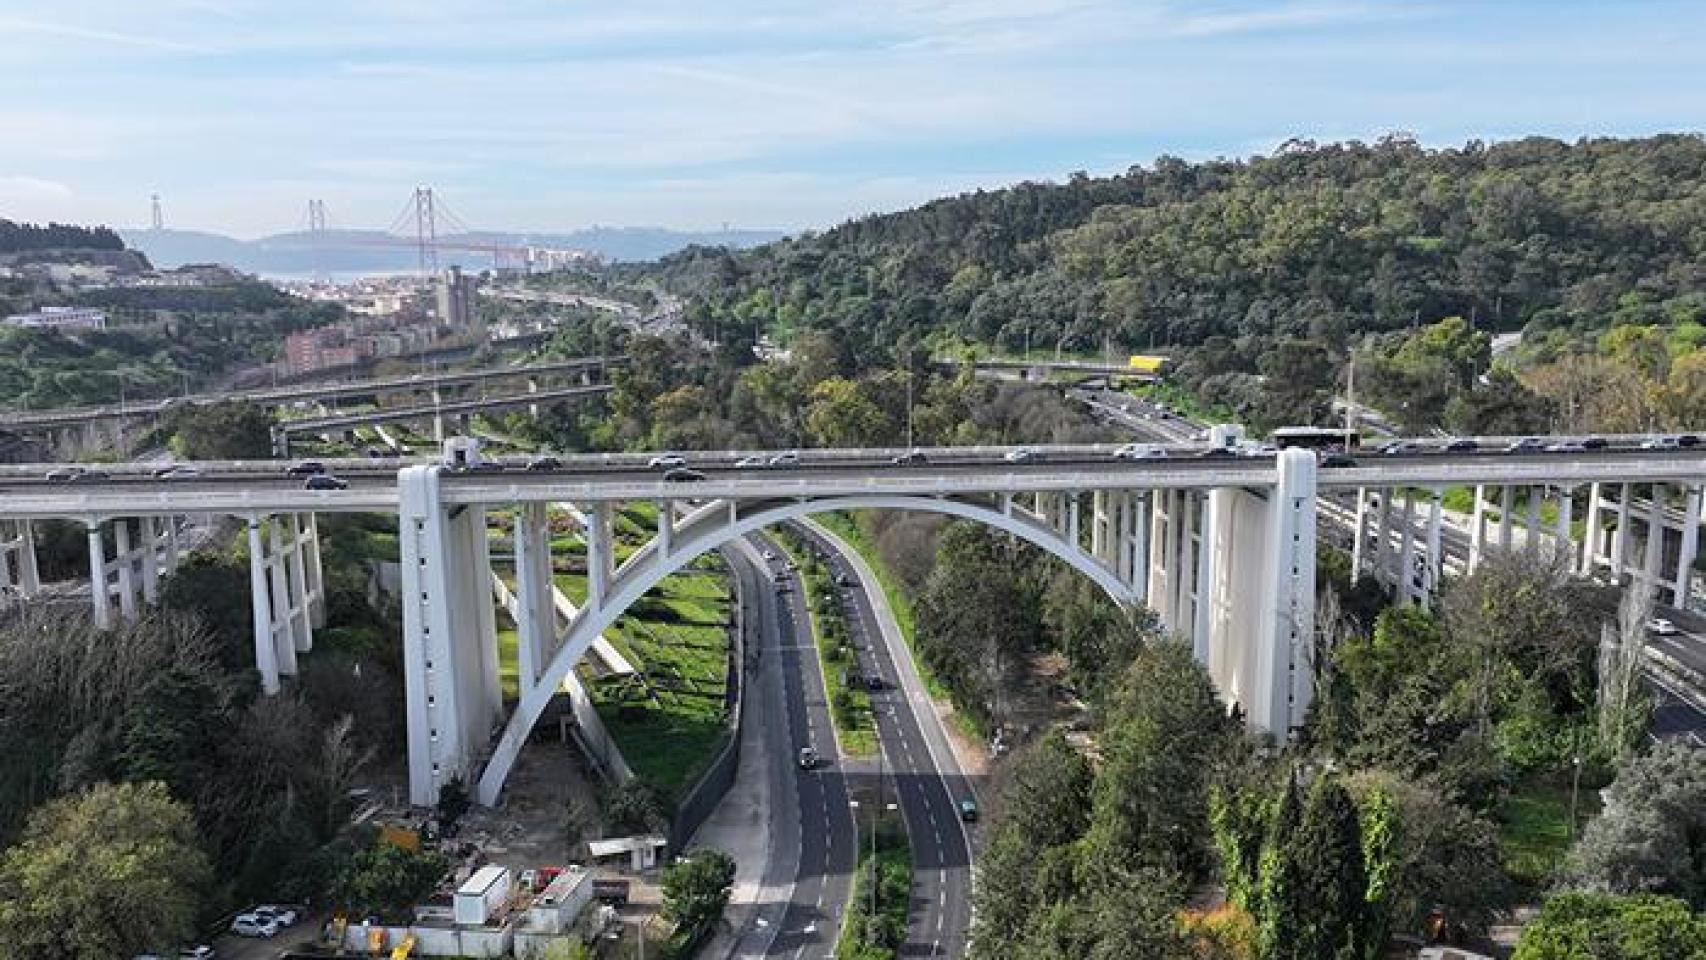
(61, 318)
(456, 298)
(308, 350)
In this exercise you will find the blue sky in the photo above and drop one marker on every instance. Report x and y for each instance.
(556, 114)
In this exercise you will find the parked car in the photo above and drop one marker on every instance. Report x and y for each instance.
(682, 475)
(283, 916)
(808, 758)
(252, 925)
(911, 458)
(1662, 627)
(667, 461)
(325, 481)
(305, 468)
(544, 464)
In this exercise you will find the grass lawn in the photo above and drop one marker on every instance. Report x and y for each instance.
(1534, 826)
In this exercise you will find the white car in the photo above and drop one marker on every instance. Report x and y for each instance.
(1661, 443)
(1662, 627)
(667, 461)
(790, 459)
(745, 463)
(1020, 455)
(283, 916)
(254, 925)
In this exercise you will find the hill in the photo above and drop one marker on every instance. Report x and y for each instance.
(1325, 242)
(355, 251)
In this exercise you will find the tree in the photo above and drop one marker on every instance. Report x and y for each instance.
(228, 430)
(696, 888)
(111, 872)
(1328, 882)
(388, 879)
(1651, 835)
(1598, 926)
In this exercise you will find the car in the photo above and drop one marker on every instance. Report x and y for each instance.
(1216, 453)
(682, 475)
(1337, 460)
(305, 468)
(1140, 451)
(1565, 446)
(484, 466)
(1662, 627)
(1688, 441)
(251, 925)
(325, 481)
(748, 463)
(90, 476)
(63, 474)
(1595, 443)
(1463, 445)
(1525, 445)
(543, 464)
(1396, 448)
(911, 458)
(789, 459)
(198, 952)
(769, 554)
(1020, 455)
(808, 758)
(164, 471)
(283, 916)
(667, 461)
(968, 809)
(1660, 443)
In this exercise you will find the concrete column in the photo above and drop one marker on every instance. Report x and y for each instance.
(174, 547)
(1383, 536)
(536, 619)
(125, 560)
(1532, 527)
(1072, 527)
(314, 573)
(1565, 543)
(1507, 504)
(473, 585)
(598, 553)
(1184, 609)
(150, 560)
(1209, 562)
(301, 617)
(1591, 534)
(284, 640)
(1098, 524)
(1686, 553)
(266, 655)
(1620, 538)
(1478, 528)
(98, 590)
(666, 528)
(1655, 537)
(1406, 586)
(29, 575)
(1435, 560)
(1140, 530)
(1164, 553)
(9, 575)
(1286, 629)
(1360, 537)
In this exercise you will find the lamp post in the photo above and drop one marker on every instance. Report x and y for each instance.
(1575, 790)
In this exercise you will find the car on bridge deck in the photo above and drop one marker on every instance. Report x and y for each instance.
(1140, 451)
(1021, 455)
(543, 464)
(1661, 443)
(748, 463)
(1525, 445)
(1566, 446)
(911, 458)
(325, 481)
(1460, 445)
(667, 461)
(682, 475)
(789, 459)
(305, 468)
(1662, 627)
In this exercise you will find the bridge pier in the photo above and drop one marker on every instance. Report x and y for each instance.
(18, 571)
(536, 616)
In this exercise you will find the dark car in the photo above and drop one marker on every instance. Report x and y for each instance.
(1338, 460)
(911, 458)
(325, 481)
(1688, 440)
(90, 476)
(682, 475)
(62, 474)
(1217, 453)
(1595, 443)
(485, 466)
(306, 468)
(968, 809)
(1462, 446)
(542, 464)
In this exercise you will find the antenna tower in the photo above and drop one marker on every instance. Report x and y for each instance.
(317, 236)
(156, 219)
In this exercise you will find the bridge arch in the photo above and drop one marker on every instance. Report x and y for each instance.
(720, 523)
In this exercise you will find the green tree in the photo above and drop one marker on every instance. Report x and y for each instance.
(388, 879)
(110, 872)
(696, 888)
(1329, 880)
(229, 430)
(1598, 926)
(1651, 835)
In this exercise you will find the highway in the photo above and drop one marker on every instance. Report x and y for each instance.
(928, 794)
(515, 401)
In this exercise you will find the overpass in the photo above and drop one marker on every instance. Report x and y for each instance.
(1221, 546)
(73, 417)
(1023, 369)
(436, 412)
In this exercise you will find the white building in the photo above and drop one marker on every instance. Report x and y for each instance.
(62, 318)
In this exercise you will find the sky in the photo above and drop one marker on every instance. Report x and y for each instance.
(542, 115)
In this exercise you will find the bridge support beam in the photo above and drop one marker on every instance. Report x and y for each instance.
(536, 617)
(1435, 565)
(100, 595)
(1406, 573)
(284, 633)
(1478, 528)
(19, 573)
(260, 603)
(1655, 538)
(1687, 550)
(125, 560)
(1591, 535)
(451, 687)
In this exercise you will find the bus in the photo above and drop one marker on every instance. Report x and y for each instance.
(1322, 439)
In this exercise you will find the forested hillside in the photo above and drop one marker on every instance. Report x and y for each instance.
(16, 237)
(1315, 241)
